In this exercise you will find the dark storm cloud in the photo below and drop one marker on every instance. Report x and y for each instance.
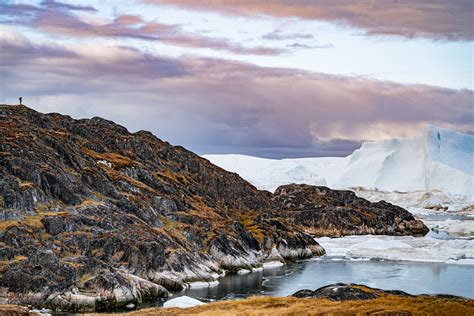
(213, 105)
(435, 19)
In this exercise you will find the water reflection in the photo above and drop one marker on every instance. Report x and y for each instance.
(411, 277)
(415, 278)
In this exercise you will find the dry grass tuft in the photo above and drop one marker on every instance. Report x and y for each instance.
(118, 161)
(247, 219)
(274, 306)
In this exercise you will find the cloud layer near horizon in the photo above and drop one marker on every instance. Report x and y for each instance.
(436, 19)
(219, 106)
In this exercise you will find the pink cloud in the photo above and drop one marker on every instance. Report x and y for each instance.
(436, 19)
(215, 105)
(57, 19)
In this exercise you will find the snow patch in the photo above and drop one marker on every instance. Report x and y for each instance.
(105, 163)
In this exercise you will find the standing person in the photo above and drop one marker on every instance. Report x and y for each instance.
(21, 99)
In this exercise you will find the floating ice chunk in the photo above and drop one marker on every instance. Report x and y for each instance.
(272, 264)
(200, 284)
(182, 302)
(454, 227)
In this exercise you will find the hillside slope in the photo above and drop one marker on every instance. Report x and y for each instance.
(94, 217)
(439, 159)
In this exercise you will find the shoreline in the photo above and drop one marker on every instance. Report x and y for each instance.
(334, 298)
(300, 306)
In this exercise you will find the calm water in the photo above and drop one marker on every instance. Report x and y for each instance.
(411, 277)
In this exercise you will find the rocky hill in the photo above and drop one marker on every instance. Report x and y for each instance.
(94, 217)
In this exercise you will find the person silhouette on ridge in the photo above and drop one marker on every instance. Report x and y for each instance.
(21, 99)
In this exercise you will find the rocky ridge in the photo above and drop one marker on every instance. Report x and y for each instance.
(95, 217)
(321, 211)
(356, 292)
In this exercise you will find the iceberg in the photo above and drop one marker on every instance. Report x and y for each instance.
(440, 159)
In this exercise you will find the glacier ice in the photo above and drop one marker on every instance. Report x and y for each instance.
(440, 159)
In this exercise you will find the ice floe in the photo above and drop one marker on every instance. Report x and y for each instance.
(201, 284)
(272, 264)
(423, 249)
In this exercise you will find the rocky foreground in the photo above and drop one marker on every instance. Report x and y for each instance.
(94, 217)
(338, 299)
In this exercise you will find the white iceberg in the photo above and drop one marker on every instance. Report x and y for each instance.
(440, 159)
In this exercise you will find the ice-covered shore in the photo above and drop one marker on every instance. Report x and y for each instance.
(450, 219)
(425, 249)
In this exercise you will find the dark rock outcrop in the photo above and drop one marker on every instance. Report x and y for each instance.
(94, 217)
(345, 292)
(355, 292)
(321, 211)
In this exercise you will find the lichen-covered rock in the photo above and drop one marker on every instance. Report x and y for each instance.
(344, 292)
(94, 217)
(324, 212)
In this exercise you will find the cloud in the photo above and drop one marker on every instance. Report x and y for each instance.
(436, 19)
(56, 18)
(306, 46)
(66, 6)
(280, 35)
(216, 106)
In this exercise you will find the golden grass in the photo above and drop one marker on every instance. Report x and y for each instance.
(274, 306)
(56, 133)
(117, 256)
(8, 223)
(73, 264)
(90, 202)
(86, 277)
(6, 263)
(247, 219)
(13, 310)
(116, 176)
(24, 185)
(118, 161)
(171, 175)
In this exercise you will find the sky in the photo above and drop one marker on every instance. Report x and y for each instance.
(269, 78)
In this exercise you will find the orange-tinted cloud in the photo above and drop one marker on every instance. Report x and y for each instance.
(436, 19)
